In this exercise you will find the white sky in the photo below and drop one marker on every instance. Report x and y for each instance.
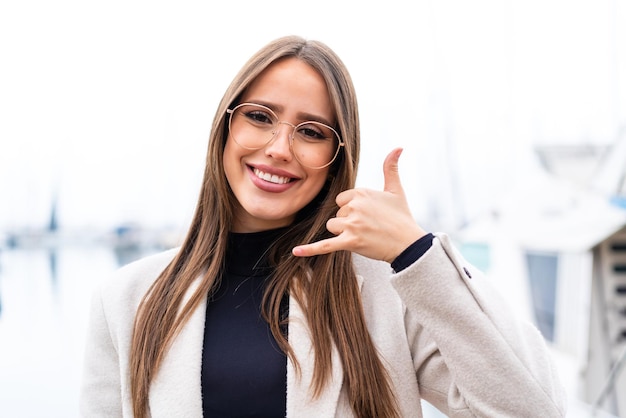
(110, 103)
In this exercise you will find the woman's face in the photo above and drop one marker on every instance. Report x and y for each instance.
(270, 185)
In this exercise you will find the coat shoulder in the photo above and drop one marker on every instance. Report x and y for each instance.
(130, 283)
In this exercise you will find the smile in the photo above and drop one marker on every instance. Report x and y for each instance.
(272, 178)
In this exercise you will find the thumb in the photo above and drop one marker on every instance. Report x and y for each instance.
(391, 172)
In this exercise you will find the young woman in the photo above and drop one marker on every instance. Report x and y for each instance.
(282, 301)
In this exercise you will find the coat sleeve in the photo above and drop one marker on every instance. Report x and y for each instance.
(101, 393)
(472, 357)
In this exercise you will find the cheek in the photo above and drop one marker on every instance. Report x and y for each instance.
(318, 182)
(229, 159)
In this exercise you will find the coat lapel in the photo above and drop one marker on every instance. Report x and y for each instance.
(300, 400)
(176, 390)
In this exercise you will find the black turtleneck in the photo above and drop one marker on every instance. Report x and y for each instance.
(244, 372)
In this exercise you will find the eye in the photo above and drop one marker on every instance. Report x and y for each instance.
(313, 132)
(258, 116)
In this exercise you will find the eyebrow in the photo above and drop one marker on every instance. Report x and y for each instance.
(303, 116)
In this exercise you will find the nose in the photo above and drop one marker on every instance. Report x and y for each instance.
(279, 147)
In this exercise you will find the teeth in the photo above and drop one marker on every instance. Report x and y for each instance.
(272, 178)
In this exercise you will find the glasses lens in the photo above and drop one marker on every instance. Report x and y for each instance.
(252, 126)
(314, 144)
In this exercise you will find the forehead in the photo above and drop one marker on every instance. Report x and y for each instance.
(291, 84)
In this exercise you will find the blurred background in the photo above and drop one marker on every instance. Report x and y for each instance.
(512, 115)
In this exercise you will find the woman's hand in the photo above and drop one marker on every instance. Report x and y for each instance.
(375, 224)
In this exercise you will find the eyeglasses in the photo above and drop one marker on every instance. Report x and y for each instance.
(253, 126)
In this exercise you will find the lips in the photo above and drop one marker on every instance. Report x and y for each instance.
(272, 178)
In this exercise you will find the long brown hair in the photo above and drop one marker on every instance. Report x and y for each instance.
(325, 286)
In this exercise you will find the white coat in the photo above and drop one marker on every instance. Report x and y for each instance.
(444, 335)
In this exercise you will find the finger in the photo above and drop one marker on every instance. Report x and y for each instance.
(344, 197)
(343, 212)
(335, 225)
(391, 172)
(324, 246)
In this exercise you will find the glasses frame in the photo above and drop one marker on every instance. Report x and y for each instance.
(231, 112)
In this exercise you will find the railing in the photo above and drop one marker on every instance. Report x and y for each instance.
(609, 385)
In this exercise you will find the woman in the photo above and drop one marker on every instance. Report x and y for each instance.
(280, 234)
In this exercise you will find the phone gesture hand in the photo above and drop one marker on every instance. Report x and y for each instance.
(375, 224)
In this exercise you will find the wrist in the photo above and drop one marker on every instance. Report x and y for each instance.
(408, 238)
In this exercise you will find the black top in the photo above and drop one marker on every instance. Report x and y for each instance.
(244, 372)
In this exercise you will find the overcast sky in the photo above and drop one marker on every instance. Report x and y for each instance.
(109, 104)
